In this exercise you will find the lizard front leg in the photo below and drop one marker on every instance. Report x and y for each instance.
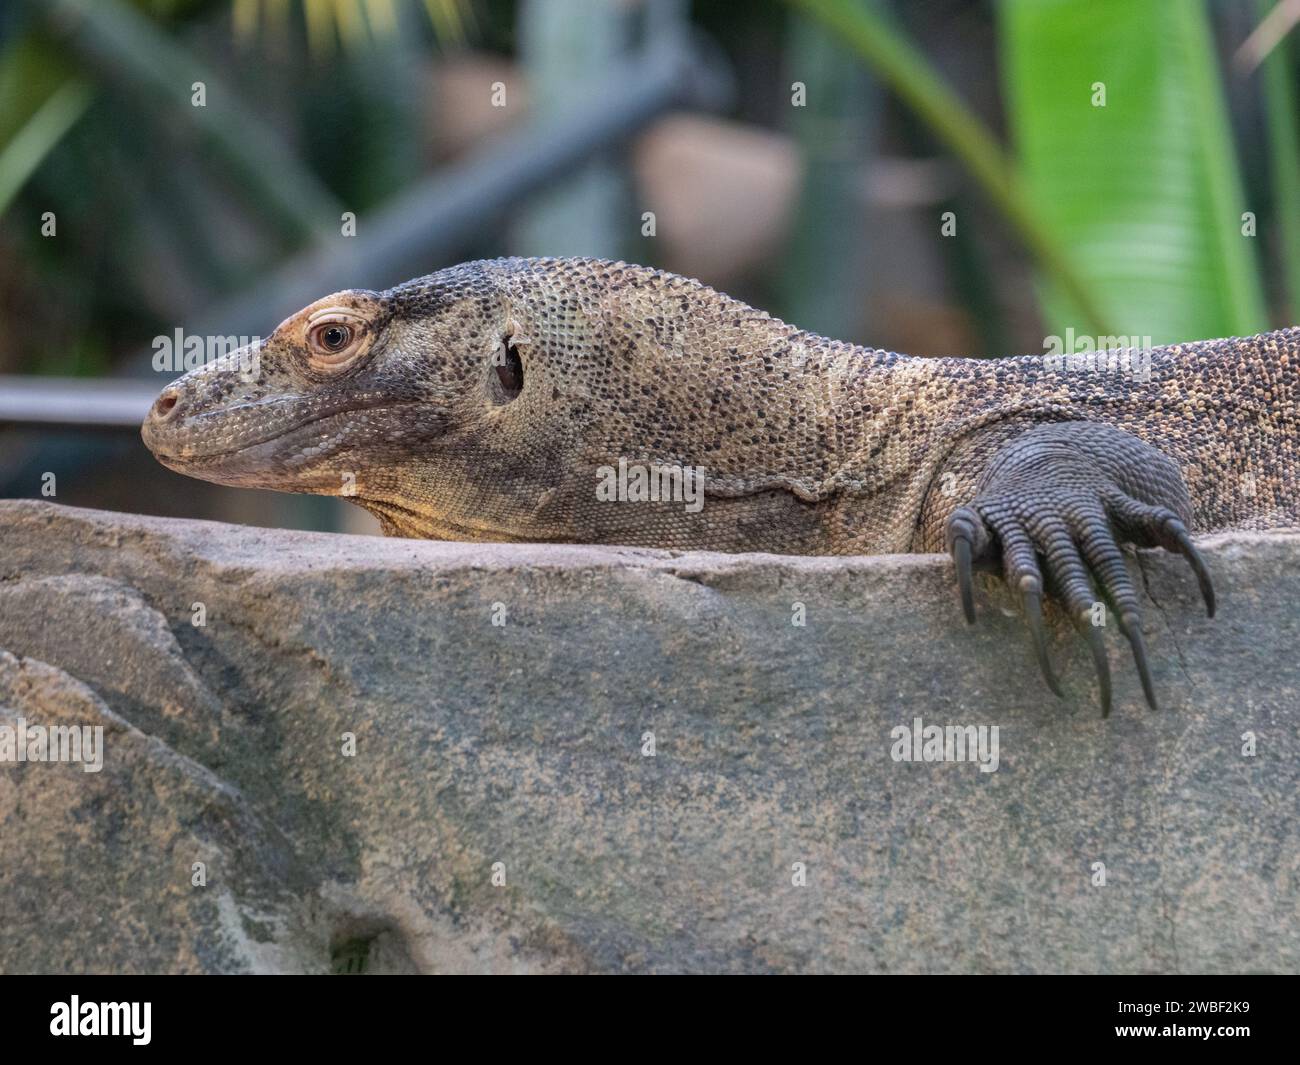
(1051, 508)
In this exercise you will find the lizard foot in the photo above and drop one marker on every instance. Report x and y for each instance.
(1046, 497)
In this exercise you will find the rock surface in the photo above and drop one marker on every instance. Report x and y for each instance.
(520, 749)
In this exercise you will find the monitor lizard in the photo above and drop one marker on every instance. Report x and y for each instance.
(492, 400)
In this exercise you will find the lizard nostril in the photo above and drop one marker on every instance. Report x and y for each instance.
(165, 406)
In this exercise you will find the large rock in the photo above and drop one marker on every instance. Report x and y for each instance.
(524, 743)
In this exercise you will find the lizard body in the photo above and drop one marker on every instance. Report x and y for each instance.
(486, 401)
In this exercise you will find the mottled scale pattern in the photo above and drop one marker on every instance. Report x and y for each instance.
(808, 445)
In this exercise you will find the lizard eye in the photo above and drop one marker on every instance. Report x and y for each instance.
(333, 337)
(334, 341)
(509, 369)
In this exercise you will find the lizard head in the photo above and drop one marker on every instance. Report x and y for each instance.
(499, 401)
(410, 402)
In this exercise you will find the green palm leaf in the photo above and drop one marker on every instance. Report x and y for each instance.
(902, 67)
(1144, 191)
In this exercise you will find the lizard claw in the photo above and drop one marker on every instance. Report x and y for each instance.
(1032, 598)
(1153, 526)
(1099, 660)
(967, 527)
(1075, 540)
(967, 536)
(1197, 563)
(961, 555)
(1070, 534)
(1132, 630)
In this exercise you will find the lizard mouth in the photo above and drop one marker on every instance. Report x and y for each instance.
(291, 443)
(179, 444)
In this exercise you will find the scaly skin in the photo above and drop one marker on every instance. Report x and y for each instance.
(808, 445)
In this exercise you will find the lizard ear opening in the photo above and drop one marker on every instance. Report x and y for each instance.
(509, 369)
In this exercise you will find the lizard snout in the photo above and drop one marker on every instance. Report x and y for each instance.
(163, 427)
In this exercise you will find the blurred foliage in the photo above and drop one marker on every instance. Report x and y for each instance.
(1142, 184)
(1134, 210)
(27, 146)
(901, 66)
(822, 280)
(351, 23)
(178, 203)
(1284, 152)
